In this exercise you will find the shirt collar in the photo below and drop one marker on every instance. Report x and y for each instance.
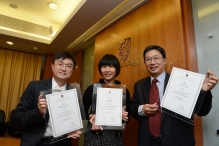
(56, 86)
(160, 78)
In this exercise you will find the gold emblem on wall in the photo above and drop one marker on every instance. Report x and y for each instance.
(124, 50)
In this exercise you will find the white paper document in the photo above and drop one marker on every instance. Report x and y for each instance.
(182, 91)
(64, 110)
(109, 107)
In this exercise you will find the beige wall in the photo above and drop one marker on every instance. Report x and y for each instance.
(87, 77)
(88, 67)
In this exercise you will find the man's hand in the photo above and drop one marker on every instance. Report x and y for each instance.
(42, 105)
(75, 134)
(124, 114)
(150, 109)
(210, 81)
(92, 121)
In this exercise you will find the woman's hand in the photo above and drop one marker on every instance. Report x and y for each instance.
(92, 121)
(124, 114)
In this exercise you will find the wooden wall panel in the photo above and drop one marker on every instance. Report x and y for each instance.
(189, 35)
(47, 70)
(158, 22)
(77, 74)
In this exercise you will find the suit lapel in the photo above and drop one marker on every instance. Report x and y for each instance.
(146, 90)
(166, 81)
(48, 85)
(165, 85)
(68, 87)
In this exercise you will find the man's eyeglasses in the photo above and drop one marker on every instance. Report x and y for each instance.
(155, 59)
(67, 66)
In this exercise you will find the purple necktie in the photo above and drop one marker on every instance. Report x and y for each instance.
(155, 120)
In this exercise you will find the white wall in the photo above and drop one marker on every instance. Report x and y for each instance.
(206, 21)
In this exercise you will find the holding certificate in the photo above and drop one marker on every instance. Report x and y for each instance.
(157, 127)
(107, 105)
(182, 92)
(65, 113)
(32, 111)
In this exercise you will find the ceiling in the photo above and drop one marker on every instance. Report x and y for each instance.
(33, 27)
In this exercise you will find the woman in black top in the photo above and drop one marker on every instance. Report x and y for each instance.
(109, 68)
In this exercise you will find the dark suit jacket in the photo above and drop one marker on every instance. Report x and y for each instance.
(28, 115)
(174, 132)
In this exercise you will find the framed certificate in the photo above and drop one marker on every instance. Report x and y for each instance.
(182, 92)
(109, 107)
(66, 110)
(108, 103)
(65, 114)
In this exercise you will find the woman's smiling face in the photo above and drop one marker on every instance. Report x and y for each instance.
(108, 72)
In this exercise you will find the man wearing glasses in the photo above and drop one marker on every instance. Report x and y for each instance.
(157, 128)
(32, 114)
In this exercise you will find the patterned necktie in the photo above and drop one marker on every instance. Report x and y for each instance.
(155, 120)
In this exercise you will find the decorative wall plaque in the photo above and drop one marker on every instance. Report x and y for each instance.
(124, 53)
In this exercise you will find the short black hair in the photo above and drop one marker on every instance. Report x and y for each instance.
(109, 59)
(63, 56)
(154, 47)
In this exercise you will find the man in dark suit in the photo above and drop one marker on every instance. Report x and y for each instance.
(172, 131)
(31, 113)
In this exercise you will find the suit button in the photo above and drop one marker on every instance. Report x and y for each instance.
(97, 133)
